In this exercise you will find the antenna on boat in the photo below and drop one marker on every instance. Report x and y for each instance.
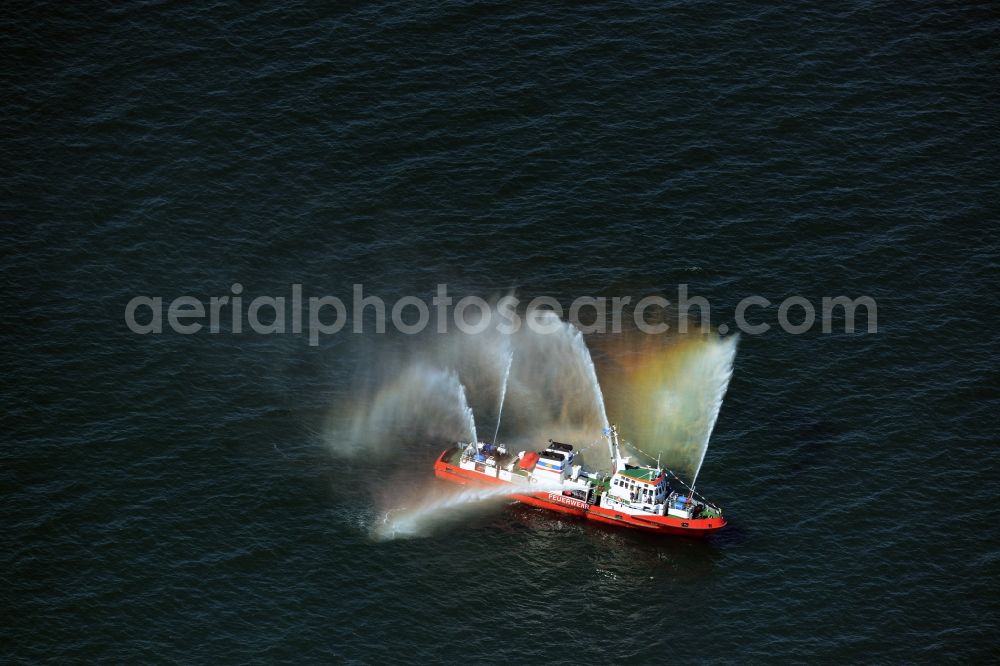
(616, 455)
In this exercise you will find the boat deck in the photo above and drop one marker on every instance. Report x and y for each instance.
(450, 467)
(454, 457)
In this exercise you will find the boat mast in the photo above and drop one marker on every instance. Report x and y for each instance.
(616, 454)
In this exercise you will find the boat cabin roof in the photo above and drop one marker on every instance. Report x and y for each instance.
(552, 455)
(643, 474)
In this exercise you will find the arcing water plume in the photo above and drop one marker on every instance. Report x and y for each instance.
(463, 405)
(437, 509)
(668, 393)
(421, 402)
(544, 384)
(503, 393)
(554, 390)
(712, 372)
(480, 360)
(581, 349)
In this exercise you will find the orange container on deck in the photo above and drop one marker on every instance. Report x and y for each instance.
(528, 461)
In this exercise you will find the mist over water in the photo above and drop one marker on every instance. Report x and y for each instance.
(177, 494)
(434, 391)
(427, 393)
(443, 388)
(421, 403)
(554, 391)
(667, 394)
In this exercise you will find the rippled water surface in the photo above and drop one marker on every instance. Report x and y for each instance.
(175, 498)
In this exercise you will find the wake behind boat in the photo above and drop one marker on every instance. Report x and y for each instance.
(634, 496)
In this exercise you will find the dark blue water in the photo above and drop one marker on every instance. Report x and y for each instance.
(173, 498)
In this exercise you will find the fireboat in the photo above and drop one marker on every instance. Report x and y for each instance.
(633, 496)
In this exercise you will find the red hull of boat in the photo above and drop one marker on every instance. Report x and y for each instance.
(575, 507)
